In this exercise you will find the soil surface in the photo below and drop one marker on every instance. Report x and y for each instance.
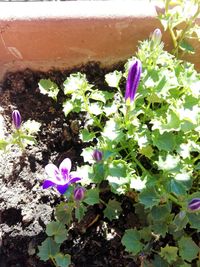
(25, 208)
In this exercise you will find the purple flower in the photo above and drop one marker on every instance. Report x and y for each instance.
(133, 80)
(194, 204)
(156, 36)
(97, 155)
(79, 193)
(16, 117)
(60, 177)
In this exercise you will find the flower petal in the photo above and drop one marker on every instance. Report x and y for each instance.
(65, 167)
(47, 183)
(52, 171)
(74, 180)
(62, 188)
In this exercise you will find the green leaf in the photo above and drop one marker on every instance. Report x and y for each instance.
(159, 262)
(176, 187)
(76, 82)
(48, 249)
(194, 220)
(70, 105)
(147, 151)
(80, 212)
(161, 212)
(119, 185)
(58, 230)
(149, 197)
(160, 228)
(138, 183)
(185, 46)
(67, 107)
(47, 87)
(63, 212)
(112, 132)
(98, 173)
(113, 78)
(95, 108)
(86, 136)
(131, 241)
(169, 253)
(63, 260)
(102, 96)
(31, 126)
(165, 141)
(112, 210)
(118, 168)
(3, 144)
(169, 163)
(188, 249)
(180, 221)
(170, 124)
(87, 154)
(92, 196)
(117, 176)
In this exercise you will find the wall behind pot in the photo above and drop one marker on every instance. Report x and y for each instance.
(44, 35)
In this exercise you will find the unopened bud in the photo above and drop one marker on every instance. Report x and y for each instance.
(194, 204)
(79, 193)
(97, 155)
(133, 80)
(16, 117)
(156, 36)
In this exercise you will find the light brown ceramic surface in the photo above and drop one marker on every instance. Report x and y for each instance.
(44, 35)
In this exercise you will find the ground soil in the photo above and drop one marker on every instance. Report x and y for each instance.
(25, 208)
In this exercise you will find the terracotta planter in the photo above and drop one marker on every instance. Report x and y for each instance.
(44, 35)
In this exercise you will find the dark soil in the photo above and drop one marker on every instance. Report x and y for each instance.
(25, 208)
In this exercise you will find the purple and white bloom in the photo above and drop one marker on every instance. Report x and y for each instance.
(194, 204)
(79, 193)
(156, 36)
(97, 155)
(16, 118)
(60, 177)
(133, 80)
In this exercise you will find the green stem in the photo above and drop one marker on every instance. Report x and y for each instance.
(187, 28)
(174, 199)
(97, 122)
(53, 260)
(103, 202)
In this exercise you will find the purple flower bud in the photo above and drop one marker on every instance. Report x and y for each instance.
(16, 117)
(156, 36)
(97, 155)
(133, 80)
(79, 193)
(194, 204)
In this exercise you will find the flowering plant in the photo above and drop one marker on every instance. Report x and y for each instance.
(61, 178)
(146, 148)
(23, 133)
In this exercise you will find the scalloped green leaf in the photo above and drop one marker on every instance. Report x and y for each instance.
(149, 197)
(188, 249)
(47, 87)
(112, 210)
(58, 230)
(63, 260)
(169, 253)
(49, 248)
(131, 241)
(92, 196)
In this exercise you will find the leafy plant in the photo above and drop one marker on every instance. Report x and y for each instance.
(23, 133)
(147, 145)
(179, 18)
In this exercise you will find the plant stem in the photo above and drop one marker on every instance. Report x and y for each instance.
(187, 28)
(173, 199)
(97, 122)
